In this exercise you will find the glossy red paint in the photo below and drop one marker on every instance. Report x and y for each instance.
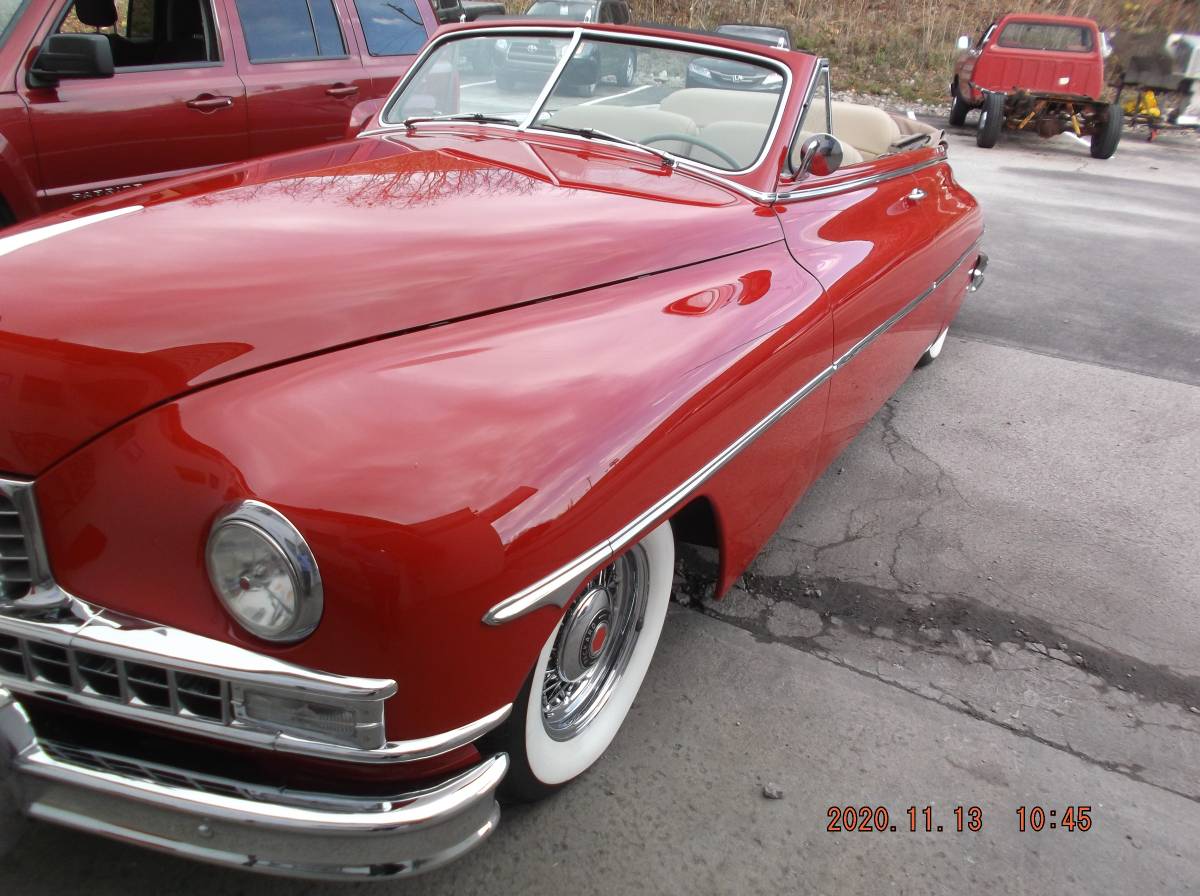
(991, 65)
(147, 123)
(447, 426)
(386, 213)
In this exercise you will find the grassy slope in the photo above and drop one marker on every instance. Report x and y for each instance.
(904, 47)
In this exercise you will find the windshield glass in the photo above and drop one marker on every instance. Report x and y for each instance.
(696, 106)
(8, 15)
(1045, 36)
(547, 9)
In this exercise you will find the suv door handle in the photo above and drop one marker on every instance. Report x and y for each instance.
(207, 102)
(340, 90)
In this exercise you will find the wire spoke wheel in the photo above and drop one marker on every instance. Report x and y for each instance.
(594, 644)
(588, 672)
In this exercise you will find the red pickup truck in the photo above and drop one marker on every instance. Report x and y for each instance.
(1038, 72)
(98, 96)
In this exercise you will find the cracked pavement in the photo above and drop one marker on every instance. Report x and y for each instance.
(989, 600)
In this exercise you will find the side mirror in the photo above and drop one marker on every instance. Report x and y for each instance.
(71, 56)
(964, 43)
(362, 115)
(819, 154)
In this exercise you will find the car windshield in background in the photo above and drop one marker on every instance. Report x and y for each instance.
(1045, 36)
(758, 34)
(577, 12)
(607, 90)
(8, 15)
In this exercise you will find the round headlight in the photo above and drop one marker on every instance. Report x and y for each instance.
(264, 573)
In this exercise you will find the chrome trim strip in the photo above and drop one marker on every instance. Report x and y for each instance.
(551, 82)
(92, 630)
(856, 183)
(560, 586)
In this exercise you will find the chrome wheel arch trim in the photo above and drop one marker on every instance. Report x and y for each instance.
(558, 588)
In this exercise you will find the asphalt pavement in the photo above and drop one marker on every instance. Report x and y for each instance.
(990, 600)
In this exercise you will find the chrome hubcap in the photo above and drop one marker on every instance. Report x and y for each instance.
(594, 645)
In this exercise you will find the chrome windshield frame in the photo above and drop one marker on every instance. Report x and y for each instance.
(578, 34)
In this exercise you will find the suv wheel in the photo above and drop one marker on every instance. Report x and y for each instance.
(628, 70)
(991, 120)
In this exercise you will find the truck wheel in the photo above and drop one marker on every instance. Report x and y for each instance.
(588, 673)
(958, 111)
(1108, 135)
(991, 120)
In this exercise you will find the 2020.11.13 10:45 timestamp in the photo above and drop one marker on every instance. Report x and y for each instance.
(961, 819)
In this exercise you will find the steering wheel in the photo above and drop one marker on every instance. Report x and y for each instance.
(696, 141)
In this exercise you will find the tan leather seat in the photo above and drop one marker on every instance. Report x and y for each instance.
(707, 105)
(630, 122)
(869, 130)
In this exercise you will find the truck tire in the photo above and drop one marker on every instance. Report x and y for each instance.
(958, 111)
(1106, 137)
(991, 120)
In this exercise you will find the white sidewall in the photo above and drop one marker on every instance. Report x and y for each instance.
(936, 349)
(556, 762)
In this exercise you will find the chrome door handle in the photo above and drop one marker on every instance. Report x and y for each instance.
(341, 90)
(208, 102)
(916, 195)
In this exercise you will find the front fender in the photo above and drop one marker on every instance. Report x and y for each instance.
(438, 472)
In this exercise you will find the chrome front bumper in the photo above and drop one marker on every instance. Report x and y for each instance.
(339, 838)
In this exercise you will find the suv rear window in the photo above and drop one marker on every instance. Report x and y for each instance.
(553, 9)
(1046, 36)
(279, 30)
(392, 27)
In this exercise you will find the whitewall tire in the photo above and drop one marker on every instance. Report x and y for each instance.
(931, 353)
(589, 671)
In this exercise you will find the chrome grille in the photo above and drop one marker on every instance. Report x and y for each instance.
(114, 680)
(15, 575)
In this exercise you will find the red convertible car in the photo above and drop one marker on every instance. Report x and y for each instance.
(316, 533)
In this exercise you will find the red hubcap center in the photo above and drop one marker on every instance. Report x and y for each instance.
(599, 636)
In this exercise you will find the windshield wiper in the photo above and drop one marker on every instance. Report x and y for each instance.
(592, 134)
(469, 116)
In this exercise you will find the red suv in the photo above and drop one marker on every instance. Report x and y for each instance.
(98, 96)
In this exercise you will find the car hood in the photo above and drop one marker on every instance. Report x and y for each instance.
(293, 255)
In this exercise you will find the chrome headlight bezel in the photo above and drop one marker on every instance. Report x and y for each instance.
(277, 531)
